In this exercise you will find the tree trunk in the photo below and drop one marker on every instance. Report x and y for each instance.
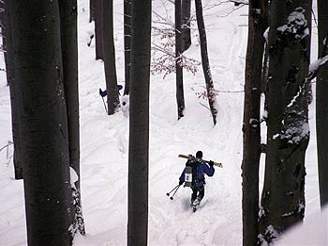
(69, 45)
(99, 29)
(283, 201)
(185, 12)
(178, 60)
(109, 57)
(92, 10)
(251, 125)
(44, 141)
(14, 92)
(127, 44)
(322, 104)
(139, 123)
(205, 62)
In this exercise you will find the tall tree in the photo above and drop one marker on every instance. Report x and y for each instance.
(109, 57)
(44, 133)
(205, 62)
(92, 10)
(14, 92)
(178, 59)
(185, 27)
(283, 201)
(98, 10)
(139, 123)
(127, 44)
(322, 103)
(69, 45)
(257, 23)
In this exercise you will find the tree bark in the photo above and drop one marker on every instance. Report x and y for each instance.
(109, 57)
(322, 104)
(283, 201)
(44, 141)
(14, 92)
(92, 10)
(186, 36)
(251, 126)
(205, 62)
(139, 123)
(127, 44)
(69, 45)
(99, 29)
(178, 60)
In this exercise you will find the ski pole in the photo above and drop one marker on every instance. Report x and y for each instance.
(168, 194)
(175, 192)
(104, 104)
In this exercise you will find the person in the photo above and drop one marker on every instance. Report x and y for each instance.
(199, 168)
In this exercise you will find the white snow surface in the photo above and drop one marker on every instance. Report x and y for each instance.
(104, 145)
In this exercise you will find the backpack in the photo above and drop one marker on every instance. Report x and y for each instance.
(190, 173)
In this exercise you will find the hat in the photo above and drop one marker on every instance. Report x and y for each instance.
(199, 154)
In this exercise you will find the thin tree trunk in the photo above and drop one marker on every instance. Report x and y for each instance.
(127, 44)
(68, 21)
(44, 141)
(283, 200)
(139, 123)
(14, 92)
(109, 57)
(178, 60)
(205, 62)
(251, 125)
(92, 10)
(185, 14)
(322, 104)
(99, 29)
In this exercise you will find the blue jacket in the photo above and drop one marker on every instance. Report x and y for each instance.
(199, 169)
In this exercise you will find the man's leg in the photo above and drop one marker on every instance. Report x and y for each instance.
(201, 193)
(193, 195)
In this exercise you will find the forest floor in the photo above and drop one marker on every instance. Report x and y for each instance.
(104, 144)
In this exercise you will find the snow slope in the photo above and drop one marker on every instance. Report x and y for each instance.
(104, 145)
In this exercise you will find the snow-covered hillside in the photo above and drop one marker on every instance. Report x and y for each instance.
(104, 145)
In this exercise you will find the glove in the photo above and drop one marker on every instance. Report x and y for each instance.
(211, 163)
(181, 182)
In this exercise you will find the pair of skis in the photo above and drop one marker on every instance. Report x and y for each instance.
(217, 164)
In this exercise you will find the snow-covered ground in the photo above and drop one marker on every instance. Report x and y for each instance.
(104, 145)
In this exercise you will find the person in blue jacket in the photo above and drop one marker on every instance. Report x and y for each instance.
(199, 168)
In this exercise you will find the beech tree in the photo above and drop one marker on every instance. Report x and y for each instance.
(282, 201)
(69, 46)
(257, 23)
(109, 56)
(205, 62)
(322, 103)
(139, 123)
(178, 59)
(44, 132)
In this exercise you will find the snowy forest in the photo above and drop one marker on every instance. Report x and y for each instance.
(163, 122)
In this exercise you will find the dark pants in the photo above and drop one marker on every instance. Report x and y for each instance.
(197, 192)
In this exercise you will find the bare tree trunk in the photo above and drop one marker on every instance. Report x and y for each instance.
(99, 29)
(14, 92)
(109, 57)
(178, 60)
(127, 44)
(139, 123)
(44, 133)
(68, 22)
(186, 36)
(322, 104)
(92, 10)
(283, 201)
(251, 125)
(205, 62)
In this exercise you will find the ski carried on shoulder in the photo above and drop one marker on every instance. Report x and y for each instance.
(217, 164)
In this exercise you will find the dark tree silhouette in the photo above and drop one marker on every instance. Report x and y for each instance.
(257, 23)
(282, 200)
(139, 123)
(178, 60)
(92, 9)
(205, 62)
(98, 5)
(185, 27)
(14, 92)
(322, 103)
(69, 45)
(127, 44)
(44, 133)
